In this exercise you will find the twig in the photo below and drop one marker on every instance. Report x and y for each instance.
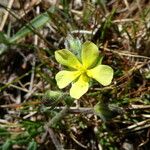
(30, 115)
(124, 20)
(138, 126)
(15, 80)
(4, 121)
(33, 90)
(127, 4)
(136, 107)
(33, 63)
(74, 139)
(44, 136)
(51, 123)
(19, 88)
(82, 32)
(32, 74)
(58, 117)
(6, 15)
(54, 139)
(125, 54)
(75, 110)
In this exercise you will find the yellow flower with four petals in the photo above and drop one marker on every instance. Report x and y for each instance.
(81, 70)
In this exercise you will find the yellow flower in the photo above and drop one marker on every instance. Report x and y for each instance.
(80, 71)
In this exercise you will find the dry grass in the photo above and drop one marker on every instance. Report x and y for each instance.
(32, 118)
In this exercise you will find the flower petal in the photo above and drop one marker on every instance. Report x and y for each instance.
(89, 54)
(64, 78)
(80, 87)
(102, 73)
(66, 58)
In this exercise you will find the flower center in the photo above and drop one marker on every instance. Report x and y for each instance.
(82, 70)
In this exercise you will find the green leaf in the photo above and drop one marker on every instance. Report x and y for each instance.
(99, 60)
(52, 98)
(54, 95)
(3, 38)
(36, 23)
(4, 132)
(74, 45)
(87, 12)
(3, 48)
(7, 145)
(32, 145)
(147, 75)
(106, 112)
(102, 73)
(3, 43)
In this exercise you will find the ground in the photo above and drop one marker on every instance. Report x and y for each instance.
(35, 113)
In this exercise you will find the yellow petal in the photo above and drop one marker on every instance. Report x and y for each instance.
(89, 54)
(80, 87)
(66, 58)
(102, 73)
(64, 78)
